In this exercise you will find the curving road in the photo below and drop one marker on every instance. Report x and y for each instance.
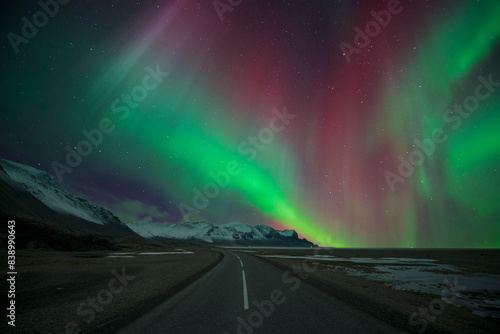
(244, 294)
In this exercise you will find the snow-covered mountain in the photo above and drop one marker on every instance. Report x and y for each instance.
(231, 234)
(30, 193)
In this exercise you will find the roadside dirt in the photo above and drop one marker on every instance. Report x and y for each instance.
(84, 292)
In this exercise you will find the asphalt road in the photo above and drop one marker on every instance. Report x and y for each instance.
(244, 294)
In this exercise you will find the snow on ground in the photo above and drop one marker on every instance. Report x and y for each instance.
(134, 254)
(163, 253)
(478, 292)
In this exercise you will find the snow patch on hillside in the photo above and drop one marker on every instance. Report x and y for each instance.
(45, 188)
(230, 233)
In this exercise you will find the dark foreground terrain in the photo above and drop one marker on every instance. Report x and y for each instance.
(411, 311)
(72, 292)
(180, 288)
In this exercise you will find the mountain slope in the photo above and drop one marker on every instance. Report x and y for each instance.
(231, 234)
(30, 194)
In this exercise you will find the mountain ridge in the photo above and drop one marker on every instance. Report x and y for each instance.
(27, 193)
(32, 195)
(230, 234)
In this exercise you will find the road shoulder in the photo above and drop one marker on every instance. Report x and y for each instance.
(392, 306)
(68, 292)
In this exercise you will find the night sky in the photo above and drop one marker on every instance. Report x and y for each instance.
(274, 113)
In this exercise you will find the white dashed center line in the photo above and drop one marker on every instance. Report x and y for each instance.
(245, 293)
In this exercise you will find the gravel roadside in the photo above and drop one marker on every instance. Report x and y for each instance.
(68, 292)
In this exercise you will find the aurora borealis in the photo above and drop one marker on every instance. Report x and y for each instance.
(324, 173)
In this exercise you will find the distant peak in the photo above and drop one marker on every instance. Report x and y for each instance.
(233, 233)
(234, 224)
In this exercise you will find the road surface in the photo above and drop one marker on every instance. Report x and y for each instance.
(244, 294)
